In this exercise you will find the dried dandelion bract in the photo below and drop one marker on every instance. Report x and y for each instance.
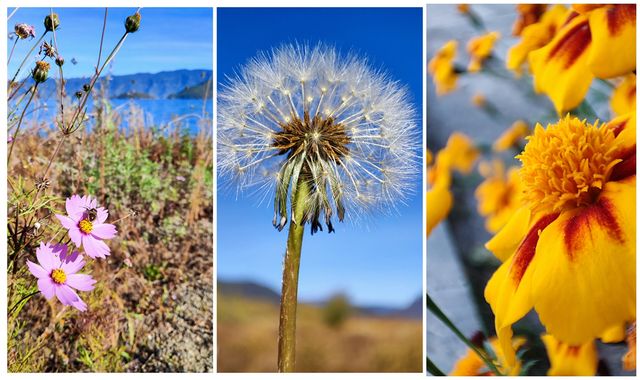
(310, 115)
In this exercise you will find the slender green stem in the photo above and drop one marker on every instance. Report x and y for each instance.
(23, 299)
(26, 57)
(15, 133)
(12, 49)
(433, 369)
(433, 307)
(289, 298)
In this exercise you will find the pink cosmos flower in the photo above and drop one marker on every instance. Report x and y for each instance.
(57, 274)
(86, 225)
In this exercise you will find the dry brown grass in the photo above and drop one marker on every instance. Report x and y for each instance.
(248, 330)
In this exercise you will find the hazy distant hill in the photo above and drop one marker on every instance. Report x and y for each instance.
(154, 86)
(252, 290)
(198, 91)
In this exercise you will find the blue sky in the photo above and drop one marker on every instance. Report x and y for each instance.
(168, 39)
(375, 263)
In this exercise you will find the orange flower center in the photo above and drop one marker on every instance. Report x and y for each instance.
(58, 276)
(566, 165)
(85, 226)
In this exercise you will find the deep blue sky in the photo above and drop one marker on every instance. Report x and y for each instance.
(377, 263)
(168, 39)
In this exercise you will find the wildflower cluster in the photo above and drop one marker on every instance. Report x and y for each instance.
(563, 217)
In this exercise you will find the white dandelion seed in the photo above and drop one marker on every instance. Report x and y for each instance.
(311, 116)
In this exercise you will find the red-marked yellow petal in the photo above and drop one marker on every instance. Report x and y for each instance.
(588, 256)
(509, 289)
(535, 36)
(560, 68)
(613, 33)
(504, 243)
(623, 98)
(567, 360)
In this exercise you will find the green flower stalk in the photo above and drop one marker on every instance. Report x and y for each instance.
(326, 136)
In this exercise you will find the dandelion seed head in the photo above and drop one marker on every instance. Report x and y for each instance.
(310, 115)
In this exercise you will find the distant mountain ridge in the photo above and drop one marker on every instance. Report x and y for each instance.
(162, 85)
(252, 290)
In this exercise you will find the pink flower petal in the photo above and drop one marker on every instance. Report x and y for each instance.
(66, 295)
(82, 282)
(37, 270)
(103, 213)
(76, 236)
(80, 305)
(67, 222)
(45, 256)
(95, 248)
(104, 231)
(75, 207)
(72, 263)
(47, 287)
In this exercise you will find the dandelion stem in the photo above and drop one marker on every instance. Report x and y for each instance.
(15, 133)
(433, 307)
(289, 298)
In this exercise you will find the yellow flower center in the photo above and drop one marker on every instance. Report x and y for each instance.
(58, 276)
(85, 226)
(566, 165)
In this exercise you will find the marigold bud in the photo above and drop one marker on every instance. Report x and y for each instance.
(40, 72)
(51, 22)
(86, 87)
(59, 60)
(78, 94)
(132, 23)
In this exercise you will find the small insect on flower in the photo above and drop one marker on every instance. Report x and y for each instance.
(57, 273)
(86, 225)
(313, 119)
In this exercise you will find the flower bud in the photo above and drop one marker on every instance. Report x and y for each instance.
(132, 23)
(78, 94)
(24, 31)
(51, 22)
(40, 72)
(86, 87)
(59, 60)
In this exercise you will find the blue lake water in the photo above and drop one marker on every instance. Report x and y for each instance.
(167, 113)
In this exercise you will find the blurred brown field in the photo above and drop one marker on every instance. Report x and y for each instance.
(248, 331)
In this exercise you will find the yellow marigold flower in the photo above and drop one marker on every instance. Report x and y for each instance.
(535, 36)
(442, 69)
(429, 157)
(479, 48)
(499, 195)
(629, 359)
(569, 252)
(478, 100)
(512, 136)
(599, 43)
(472, 365)
(623, 98)
(527, 14)
(460, 153)
(439, 202)
(569, 360)
(463, 8)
